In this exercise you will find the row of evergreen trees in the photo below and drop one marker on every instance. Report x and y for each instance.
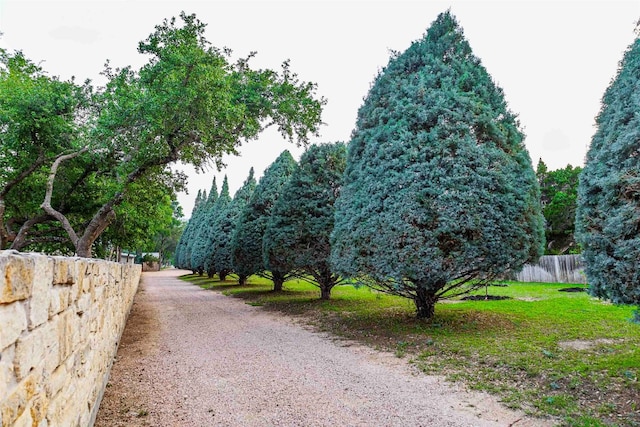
(435, 195)
(278, 228)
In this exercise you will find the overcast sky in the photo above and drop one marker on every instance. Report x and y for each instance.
(553, 59)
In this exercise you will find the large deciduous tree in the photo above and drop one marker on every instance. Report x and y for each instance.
(188, 103)
(608, 214)
(439, 195)
(297, 234)
(41, 119)
(247, 243)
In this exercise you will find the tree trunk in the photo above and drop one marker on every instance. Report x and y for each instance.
(325, 292)
(425, 303)
(326, 281)
(223, 275)
(242, 279)
(278, 280)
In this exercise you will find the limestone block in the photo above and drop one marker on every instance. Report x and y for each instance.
(24, 420)
(38, 409)
(13, 318)
(65, 406)
(80, 273)
(16, 276)
(98, 295)
(83, 305)
(64, 271)
(57, 380)
(7, 376)
(64, 331)
(60, 299)
(33, 350)
(13, 407)
(88, 279)
(41, 291)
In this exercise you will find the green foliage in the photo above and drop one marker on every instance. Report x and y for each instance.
(247, 256)
(297, 234)
(223, 227)
(439, 190)
(203, 248)
(184, 246)
(608, 214)
(40, 118)
(559, 192)
(188, 103)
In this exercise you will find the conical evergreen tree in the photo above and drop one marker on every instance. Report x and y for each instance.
(608, 214)
(198, 218)
(200, 237)
(181, 260)
(248, 238)
(194, 226)
(224, 227)
(439, 194)
(297, 234)
(203, 249)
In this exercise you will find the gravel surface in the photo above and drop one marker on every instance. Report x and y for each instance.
(192, 357)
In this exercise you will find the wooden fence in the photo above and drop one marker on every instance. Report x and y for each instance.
(554, 269)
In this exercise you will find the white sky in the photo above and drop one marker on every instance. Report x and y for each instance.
(553, 59)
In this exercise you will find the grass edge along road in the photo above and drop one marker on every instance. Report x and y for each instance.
(550, 353)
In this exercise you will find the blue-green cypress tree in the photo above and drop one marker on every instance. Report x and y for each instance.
(181, 248)
(203, 241)
(439, 193)
(223, 227)
(608, 213)
(194, 227)
(297, 234)
(199, 239)
(247, 241)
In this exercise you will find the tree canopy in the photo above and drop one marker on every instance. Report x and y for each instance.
(439, 192)
(248, 238)
(558, 192)
(298, 230)
(203, 240)
(223, 226)
(188, 103)
(608, 213)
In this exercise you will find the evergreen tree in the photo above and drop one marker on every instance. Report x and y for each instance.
(558, 194)
(297, 235)
(199, 240)
(203, 242)
(608, 214)
(223, 228)
(181, 258)
(439, 194)
(248, 238)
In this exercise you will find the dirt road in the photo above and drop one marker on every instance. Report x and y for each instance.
(191, 357)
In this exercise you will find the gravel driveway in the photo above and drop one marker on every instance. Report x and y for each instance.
(192, 357)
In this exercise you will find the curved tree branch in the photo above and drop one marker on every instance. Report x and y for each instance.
(46, 204)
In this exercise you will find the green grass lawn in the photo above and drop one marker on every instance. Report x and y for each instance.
(550, 353)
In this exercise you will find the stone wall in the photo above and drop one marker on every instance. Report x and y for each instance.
(60, 323)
